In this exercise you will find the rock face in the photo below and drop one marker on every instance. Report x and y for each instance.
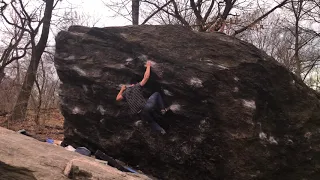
(236, 112)
(24, 158)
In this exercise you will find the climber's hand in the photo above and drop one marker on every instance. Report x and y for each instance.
(148, 63)
(123, 87)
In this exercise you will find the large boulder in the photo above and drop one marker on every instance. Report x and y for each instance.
(235, 112)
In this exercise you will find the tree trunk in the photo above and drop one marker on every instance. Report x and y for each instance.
(18, 77)
(4, 59)
(296, 51)
(297, 13)
(2, 74)
(135, 12)
(21, 105)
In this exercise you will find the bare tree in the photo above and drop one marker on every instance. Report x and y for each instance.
(304, 37)
(70, 16)
(37, 48)
(44, 96)
(284, 2)
(12, 51)
(9, 55)
(201, 14)
(290, 38)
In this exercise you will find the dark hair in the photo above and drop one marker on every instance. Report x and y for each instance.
(134, 80)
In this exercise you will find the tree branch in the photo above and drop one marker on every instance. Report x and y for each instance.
(46, 27)
(196, 12)
(311, 31)
(209, 11)
(17, 57)
(5, 55)
(220, 19)
(112, 9)
(157, 6)
(25, 13)
(260, 18)
(312, 66)
(154, 13)
(177, 14)
(227, 8)
(16, 25)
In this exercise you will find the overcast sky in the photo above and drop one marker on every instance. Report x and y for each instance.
(97, 10)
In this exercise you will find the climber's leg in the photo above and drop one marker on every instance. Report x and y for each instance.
(158, 102)
(146, 115)
(152, 101)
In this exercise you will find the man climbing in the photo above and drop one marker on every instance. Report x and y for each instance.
(139, 105)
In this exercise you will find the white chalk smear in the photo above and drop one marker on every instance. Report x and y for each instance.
(175, 107)
(77, 110)
(235, 89)
(101, 109)
(196, 82)
(249, 103)
(85, 88)
(79, 71)
(222, 67)
(272, 140)
(138, 123)
(167, 92)
(262, 135)
(129, 59)
(72, 57)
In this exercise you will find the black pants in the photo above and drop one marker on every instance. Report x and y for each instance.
(154, 103)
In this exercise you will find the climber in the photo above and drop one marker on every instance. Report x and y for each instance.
(132, 94)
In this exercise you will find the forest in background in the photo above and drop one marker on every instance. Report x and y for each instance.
(288, 30)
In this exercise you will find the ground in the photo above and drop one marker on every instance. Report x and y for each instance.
(52, 125)
(25, 158)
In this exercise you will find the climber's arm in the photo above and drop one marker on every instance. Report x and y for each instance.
(146, 74)
(119, 96)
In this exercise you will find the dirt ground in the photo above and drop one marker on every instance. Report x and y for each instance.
(51, 124)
